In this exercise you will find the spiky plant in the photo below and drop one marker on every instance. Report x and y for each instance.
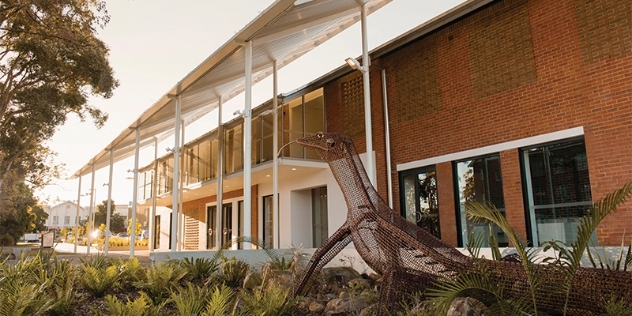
(233, 271)
(480, 284)
(568, 260)
(572, 257)
(131, 271)
(141, 306)
(160, 280)
(62, 290)
(274, 301)
(219, 301)
(488, 213)
(190, 300)
(98, 281)
(19, 298)
(200, 269)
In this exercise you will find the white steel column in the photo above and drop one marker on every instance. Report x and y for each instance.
(370, 163)
(134, 195)
(154, 187)
(275, 161)
(174, 190)
(387, 137)
(181, 188)
(109, 209)
(248, 145)
(220, 176)
(77, 217)
(91, 217)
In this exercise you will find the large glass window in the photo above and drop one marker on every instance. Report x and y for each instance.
(320, 224)
(214, 158)
(165, 175)
(268, 225)
(480, 180)
(557, 190)
(233, 151)
(197, 162)
(211, 227)
(314, 117)
(295, 126)
(419, 198)
(301, 117)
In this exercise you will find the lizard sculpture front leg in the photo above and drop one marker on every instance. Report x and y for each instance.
(327, 251)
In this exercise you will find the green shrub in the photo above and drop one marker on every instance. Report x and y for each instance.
(233, 271)
(160, 280)
(219, 301)
(141, 306)
(191, 300)
(20, 298)
(100, 280)
(274, 301)
(200, 269)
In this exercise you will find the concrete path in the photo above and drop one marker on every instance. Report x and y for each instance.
(65, 250)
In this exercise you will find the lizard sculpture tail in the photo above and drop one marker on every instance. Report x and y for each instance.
(409, 258)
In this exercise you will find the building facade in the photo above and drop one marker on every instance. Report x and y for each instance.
(525, 104)
(64, 215)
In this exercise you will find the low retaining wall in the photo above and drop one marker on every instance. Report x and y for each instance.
(350, 257)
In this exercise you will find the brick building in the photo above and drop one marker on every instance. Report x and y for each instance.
(537, 93)
(526, 104)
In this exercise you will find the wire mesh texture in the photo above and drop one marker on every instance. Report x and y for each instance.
(411, 259)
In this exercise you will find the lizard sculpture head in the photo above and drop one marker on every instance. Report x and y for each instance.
(325, 143)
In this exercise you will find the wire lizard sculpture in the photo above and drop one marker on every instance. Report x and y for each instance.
(411, 259)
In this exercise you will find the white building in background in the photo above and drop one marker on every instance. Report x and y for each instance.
(64, 214)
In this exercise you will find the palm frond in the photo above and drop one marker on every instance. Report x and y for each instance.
(477, 212)
(219, 301)
(191, 300)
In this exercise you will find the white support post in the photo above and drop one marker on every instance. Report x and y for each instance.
(370, 163)
(181, 187)
(91, 217)
(248, 145)
(154, 187)
(77, 217)
(220, 176)
(275, 161)
(109, 209)
(174, 190)
(134, 195)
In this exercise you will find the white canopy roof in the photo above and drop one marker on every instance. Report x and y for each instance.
(285, 31)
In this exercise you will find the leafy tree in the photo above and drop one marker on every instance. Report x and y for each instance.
(19, 212)
(137, 230)
(51, 62)
(117, 222)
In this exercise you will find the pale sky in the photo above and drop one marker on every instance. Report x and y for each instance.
(155, 43)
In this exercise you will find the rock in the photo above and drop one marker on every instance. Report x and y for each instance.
(360, 283)
(347, 304)
(334, 280)
(252, 280)
(466, 306)
(316, 307)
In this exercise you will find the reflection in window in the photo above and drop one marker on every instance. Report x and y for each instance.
(268, 224)
(479, 180)
(298, 118)
(420, 199)
(557, 189)
(233, 150)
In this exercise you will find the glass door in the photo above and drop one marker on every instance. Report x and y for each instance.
(211, 226)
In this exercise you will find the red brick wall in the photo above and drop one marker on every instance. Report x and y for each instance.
(515, 69)
(447, 209)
